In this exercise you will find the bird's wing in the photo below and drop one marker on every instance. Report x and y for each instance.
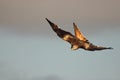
(94, 47)
(79, 34)
(67, 36)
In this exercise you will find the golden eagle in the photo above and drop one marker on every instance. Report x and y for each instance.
(77, 41)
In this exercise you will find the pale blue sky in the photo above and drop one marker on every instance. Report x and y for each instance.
(38, 58)
(30, 50)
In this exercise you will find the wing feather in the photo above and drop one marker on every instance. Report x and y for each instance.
(67, 36)
(78, 33)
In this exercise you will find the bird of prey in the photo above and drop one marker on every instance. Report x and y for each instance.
(78, 40)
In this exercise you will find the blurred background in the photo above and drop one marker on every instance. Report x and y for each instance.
(30, 50)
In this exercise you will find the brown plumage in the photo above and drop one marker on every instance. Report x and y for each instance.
(77, 41)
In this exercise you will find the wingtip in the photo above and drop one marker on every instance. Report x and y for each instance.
(110, 48)
(47, 19)
(73, 23)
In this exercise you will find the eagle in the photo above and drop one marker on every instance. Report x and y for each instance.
(78, 40)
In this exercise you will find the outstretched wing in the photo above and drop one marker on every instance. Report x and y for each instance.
(94, 48)
(79, 34)
(67, 36)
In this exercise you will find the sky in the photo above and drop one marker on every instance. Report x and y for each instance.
(30, 50)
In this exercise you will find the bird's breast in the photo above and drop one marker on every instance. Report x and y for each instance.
(86, 45)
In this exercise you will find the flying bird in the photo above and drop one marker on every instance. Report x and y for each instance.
(78, 40)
